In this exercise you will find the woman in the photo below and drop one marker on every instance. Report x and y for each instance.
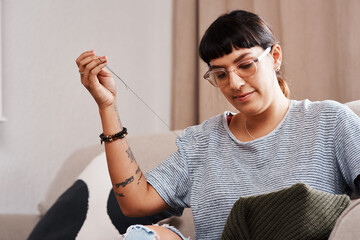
(269, 145)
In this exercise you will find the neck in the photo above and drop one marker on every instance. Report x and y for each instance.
(256, 126)
(274, 113)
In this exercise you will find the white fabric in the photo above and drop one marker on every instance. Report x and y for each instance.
(97, 224)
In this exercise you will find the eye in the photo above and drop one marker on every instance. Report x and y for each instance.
(220, 75)
(245, 65)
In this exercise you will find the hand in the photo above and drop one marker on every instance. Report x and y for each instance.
(96, 79)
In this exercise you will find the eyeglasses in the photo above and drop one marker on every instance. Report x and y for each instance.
(219, 77)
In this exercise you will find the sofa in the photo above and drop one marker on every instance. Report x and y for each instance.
(87, 168)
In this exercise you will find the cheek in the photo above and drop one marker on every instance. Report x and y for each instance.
(266, 70)
(226, 92)
(267, 79)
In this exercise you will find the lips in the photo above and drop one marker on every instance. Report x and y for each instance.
(244, 96)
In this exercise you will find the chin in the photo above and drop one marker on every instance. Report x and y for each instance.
(248, 108)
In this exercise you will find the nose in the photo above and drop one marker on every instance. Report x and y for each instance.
(236, 82)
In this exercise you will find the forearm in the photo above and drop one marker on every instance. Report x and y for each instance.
(129, 183)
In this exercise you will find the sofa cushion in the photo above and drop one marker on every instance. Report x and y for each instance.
(70, 170)
(66, 217)
(88, 209)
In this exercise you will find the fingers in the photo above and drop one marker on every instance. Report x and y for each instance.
(87, 57)
(91, 66)
(88, 61)
(84, 55)
(84, 59)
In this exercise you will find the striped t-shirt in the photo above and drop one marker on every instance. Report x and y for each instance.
(317, 143)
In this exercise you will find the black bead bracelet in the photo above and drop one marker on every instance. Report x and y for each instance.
(110, 138)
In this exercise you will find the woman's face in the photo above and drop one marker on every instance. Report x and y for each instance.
(253, 95)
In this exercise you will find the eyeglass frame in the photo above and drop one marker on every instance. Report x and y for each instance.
(255, 61)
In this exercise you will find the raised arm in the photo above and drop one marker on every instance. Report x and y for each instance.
(135, 196)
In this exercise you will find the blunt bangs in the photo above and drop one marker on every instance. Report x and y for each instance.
(237, 30)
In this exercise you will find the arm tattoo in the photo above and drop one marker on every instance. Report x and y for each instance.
(141, 174)
(130, 154)
(140, 177)
(126, 182)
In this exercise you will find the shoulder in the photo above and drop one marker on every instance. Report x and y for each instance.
(314, 106)
(320, 108)
(327, 113)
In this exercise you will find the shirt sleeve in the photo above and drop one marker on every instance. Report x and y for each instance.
(171, 180)
(347, 146)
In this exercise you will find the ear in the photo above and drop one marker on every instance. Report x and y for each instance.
(277, 56)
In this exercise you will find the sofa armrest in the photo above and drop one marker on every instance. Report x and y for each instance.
(347, 226)
(17, 226)
(354, 106)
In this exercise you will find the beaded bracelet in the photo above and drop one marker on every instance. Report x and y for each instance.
(110, 138)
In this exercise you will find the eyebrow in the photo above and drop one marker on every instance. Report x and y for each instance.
(235, 60)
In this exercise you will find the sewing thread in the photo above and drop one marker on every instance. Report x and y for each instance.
(127, 87)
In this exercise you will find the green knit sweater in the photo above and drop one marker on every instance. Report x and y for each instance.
(297, 212)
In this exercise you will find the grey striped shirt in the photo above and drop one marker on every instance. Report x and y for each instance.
(317, 143)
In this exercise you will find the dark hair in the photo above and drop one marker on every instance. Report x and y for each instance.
(237, 29)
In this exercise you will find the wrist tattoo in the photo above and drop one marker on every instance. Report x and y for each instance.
(130, 155)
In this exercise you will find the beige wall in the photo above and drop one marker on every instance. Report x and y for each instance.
(49, 114)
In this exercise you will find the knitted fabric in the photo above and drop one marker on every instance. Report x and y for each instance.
(298, 212)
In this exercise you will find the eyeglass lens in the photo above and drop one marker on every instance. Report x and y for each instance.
(244, 70)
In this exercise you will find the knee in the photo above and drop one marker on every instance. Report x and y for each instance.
(164, 232)
(151, 232)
